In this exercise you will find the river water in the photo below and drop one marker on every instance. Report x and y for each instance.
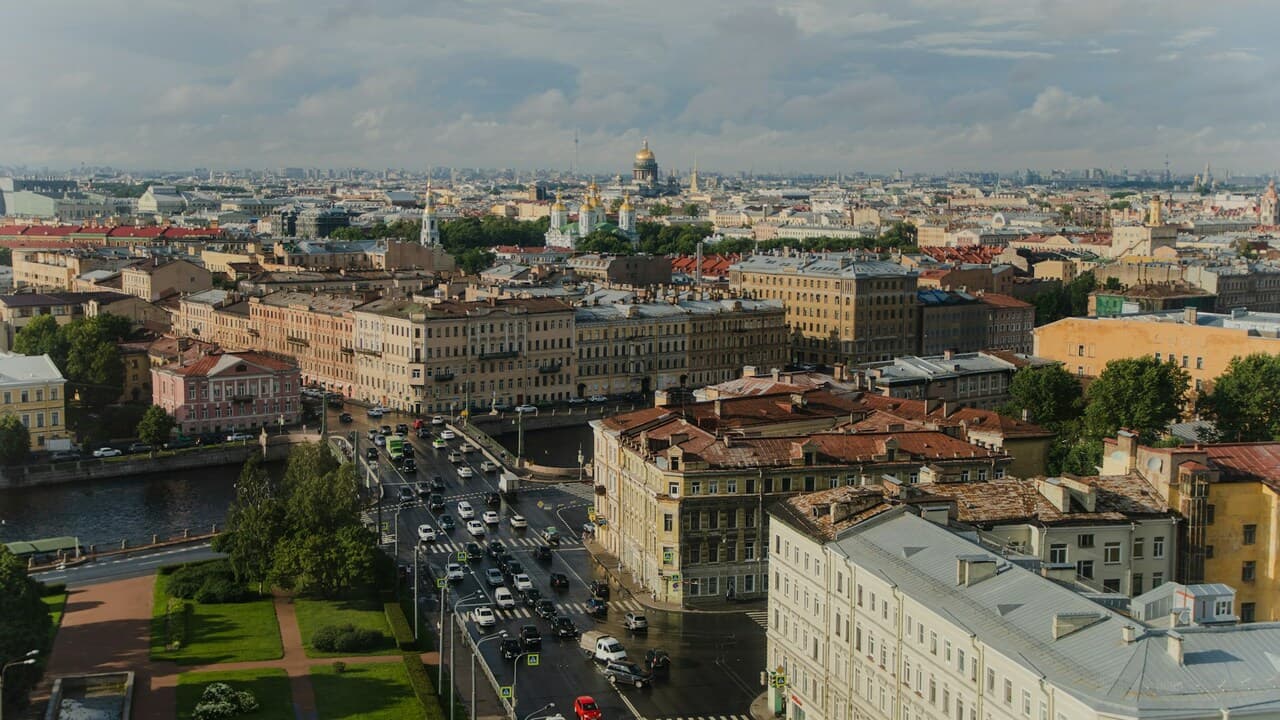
(557, 447)
(103, 512)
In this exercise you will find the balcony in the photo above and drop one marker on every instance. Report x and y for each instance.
(293, 340)
(502, 355)
(443, 377)
(369, 352)
(241, 398)
(552, 368)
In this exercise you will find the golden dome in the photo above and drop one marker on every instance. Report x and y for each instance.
(645, 154)
(559, 204)
(626, 203)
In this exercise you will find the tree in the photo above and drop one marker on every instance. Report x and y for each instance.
(690, 209)
(1050, 395)
(660, 209)
(1244, 403)
(155, 426)
(15, 440)
(1141, 394)
(24, 625)
(899, 235)
(42, 336)
(474, 260)
(255, 524)
(602, 241)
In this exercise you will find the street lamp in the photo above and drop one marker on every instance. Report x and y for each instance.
(580, 459)
(454, 643)
(548, 706)
(28, 659)
(474, 651)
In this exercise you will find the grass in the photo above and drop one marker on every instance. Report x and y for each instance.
(372, 691)
(56, 604)
(227, 632)
(270, 686)
(360, 611)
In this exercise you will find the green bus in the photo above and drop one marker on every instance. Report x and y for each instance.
(395, 447)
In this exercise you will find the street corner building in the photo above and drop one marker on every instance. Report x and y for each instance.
(229, 392)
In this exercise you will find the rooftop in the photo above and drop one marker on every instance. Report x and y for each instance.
(26, 369)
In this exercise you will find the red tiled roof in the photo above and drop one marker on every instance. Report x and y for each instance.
(52, 230)
(206, 364)
(1003, 301)
(1247, 461)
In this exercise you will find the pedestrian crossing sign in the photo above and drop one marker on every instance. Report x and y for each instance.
(534, 659)
(441, 583)
(504, 692)
(461, 557)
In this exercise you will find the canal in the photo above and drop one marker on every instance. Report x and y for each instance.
(556, 447)
(104, 512)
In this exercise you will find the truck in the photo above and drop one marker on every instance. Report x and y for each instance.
(508, 484)
(395, 447)
(602, 647)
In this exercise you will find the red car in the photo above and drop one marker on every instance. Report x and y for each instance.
(586, 709)
(417, 424)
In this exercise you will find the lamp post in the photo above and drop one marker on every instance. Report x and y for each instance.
(28, 659)
(474, 651)
(417, 611)
(548, 706)
(454, 643)
(580, 464)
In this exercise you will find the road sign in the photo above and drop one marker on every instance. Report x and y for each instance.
(460, 557)
(540, 505)
(505, 692)
(668, 557)
(533, 659)
(441, 583)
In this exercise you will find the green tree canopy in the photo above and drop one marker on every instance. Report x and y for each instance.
(24, 625)
(474, 260)
(155, 425)
(660, 209)
(15, 440)
(255, 524)
(602, 241)
(1140, 394)
(1244, 403)
(42, 336)
(1050, 395)
(690, 209)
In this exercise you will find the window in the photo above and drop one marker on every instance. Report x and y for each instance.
(1157, 547)
(1026, 703)
(1210, 513)
(1157, 579)
(1137, 584)
(1111, 585)
(1111, 553)
(1084, 568)
(991, 680)
(1058, 553)
(1008, 692)
(1222, 607)
(1250, 534)
(1208, 552)
(667, 522)
(1084, 541)
(1248, 571)
(749, 550)
(695, 487)
(1247, 612)
(1139, 548)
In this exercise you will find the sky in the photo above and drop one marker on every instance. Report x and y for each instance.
(821, 86)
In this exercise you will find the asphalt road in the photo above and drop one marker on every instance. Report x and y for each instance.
(716, 658)
(120, 568)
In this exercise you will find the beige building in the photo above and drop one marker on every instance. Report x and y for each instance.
(838, 309)
(32, 388)
(315, 329)
(158, 279)
(215, 316)
(57, 269)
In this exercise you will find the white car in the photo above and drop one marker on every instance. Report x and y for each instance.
(465, 511)
(490, 517)
(239, 437)
(453, 572)
(518, 521)
(476, 528)
(487, 466)
(426, 533)
(522, 582)
(577, 400)
(503, 598)
(469, 448)
(375, 412)
(107, 452)
(382, 409)
(455, 457)
(466, 472)
(526, 409)
(447, 435)
(598, 398)
(484, 617)
(437, 420)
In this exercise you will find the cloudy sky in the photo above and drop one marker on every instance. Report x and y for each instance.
(806, 85)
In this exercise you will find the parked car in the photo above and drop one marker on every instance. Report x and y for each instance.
(139, 447)
(493, 576)
(239, 437)
(466, 472)
(526, 409)
(577, 400)
(484, 617)
(635, 622)
(345, 418)
(490, 517)
(598, 588)
(510, 648)
(585, 708)
(375, 412)
(530, 637)
(465, 511)
(559, 581)
(627, 673)
(545, 609)
(426, 533)
(64, 455)
(562, 626)
(476, 528)
(598, 398)
(106, 452)
(517, 521)
(503, 597)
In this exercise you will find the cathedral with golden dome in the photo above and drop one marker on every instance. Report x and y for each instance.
(644, 172)
(565, 235)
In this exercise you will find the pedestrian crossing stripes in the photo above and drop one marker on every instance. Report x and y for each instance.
(519, 613)
(759, 617)
(510, 543)
(704, 717)
(578, 490)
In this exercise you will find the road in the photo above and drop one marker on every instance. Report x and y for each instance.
(120, 568)
(716, 658)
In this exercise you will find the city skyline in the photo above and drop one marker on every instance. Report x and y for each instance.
(806, 86)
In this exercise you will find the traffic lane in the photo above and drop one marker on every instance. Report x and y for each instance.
(715, 663)
(107, 570)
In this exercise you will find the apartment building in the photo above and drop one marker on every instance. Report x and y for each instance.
(18, 309)
(425, 355)
(1228, 495)
(645, 347)
(979, 380)
(32, 388)
(229, 392)
(839, 309)
(954, 321)
(58, 269)
(216, 316)
(1010, 323)
(684, 494)
(315, 329)
(159, 278)
(877, 613)
(634, 270)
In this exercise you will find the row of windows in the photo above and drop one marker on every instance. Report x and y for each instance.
(24, 396)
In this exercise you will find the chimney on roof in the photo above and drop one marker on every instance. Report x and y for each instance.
(1128, 634)
(775, 372)
(948, 354)
(1174, 646)
(719, 407)
(1189, 315)
(797, 400)
(973, 569)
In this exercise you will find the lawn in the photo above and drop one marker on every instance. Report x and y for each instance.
(228, 632)
(270, 686)
(369, 691)
(362, 613)
(56, 604)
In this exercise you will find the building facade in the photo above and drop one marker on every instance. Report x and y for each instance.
(33, 390)
(314, 329)
(229, 392)
(158, 279)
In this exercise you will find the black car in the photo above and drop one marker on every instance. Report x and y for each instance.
(495, 548)
(493, 499)
(422, 488)
(446, 523)
(542, 553)
(559, 580)
(408, 450)
(371, 454)
(502, 558)
(627, 673)
(437, 482)
(408, 466)
(402, 429)
(599, 588)
(510, 648)
(657, 662)
(563, 627)
(384, 430)
(512, 568)
(474, 551)
(545, 609)
(405, 493)
(530, 637)
(423, 433)
(436, 502)
(345, 418)
(530, 597)
(597, 608)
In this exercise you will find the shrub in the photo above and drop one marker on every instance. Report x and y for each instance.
(211, 582)
(339, 667)
(401, 630)
(345, 638)
(220, 701)
(423, 688)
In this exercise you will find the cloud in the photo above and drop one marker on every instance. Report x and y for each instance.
(993, 53)
(1192, 36)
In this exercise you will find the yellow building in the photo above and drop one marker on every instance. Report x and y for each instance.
(32, 388)
(1201, 343)
(1228, 495)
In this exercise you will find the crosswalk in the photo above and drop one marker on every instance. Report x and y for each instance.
(578, 490)
(566, 608)
(704, 717)
(759, 617)
(456, 546)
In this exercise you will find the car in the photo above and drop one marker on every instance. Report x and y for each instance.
(503, 597)
(423, 433)
(598, 588)
(490, 517)
(405, 493)
(447, 435)
(106, 452)
(379, 441)
(476, 528)
(436, 501)
(466, 472)
(384, 430)
(469, 448)
(598, 398)
(559, 580)
(418, 424)
(437, 420)
(510, 648)
(635, 622)
(371, 453)
(455, 457)
(526, 409)
(495, 548)
(487, 466)
(408, 450)
(426, 533)
(585, 708)
(657, 662)
(402, 429)
(484, 617)
(439, 444)
(542, 553)
(493, 499)
(530, 597)
(511, 568)
(545, 609)
(465, 511)
(422, 488)
(493, 576)
(627, 673)
(375, 412)
(373, 433)
(530, 637)
(597, 608)
(562, 626)
(64, 455)
(517, 521)
(552, 535)
(345, 418)
(453, 572)
(474, 551)
(408, 466)
(521, 581)
(139, 447)
(239, 437)
(437, 482)
(446, 523)
(577, 400)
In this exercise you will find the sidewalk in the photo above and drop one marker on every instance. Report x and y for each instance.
(626, 582)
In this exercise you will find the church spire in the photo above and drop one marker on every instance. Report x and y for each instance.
(430, 234)
(693, 179)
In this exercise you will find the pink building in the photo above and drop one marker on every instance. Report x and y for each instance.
(229, 392)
